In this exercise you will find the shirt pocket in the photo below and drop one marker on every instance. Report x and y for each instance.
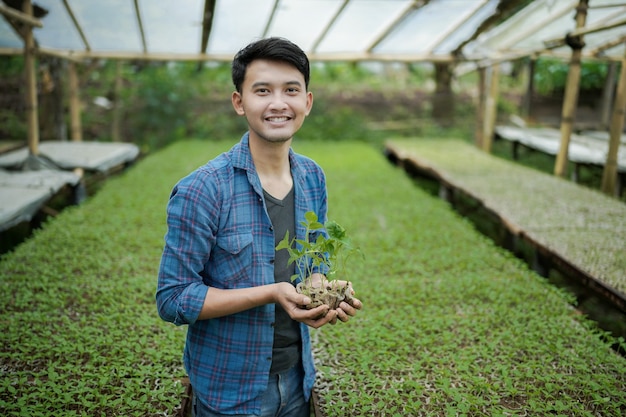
(232, 260)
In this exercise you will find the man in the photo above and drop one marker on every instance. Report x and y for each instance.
(248, 348)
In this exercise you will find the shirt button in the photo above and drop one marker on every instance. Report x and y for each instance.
(273, 324)
(271, 228)
(271, 261)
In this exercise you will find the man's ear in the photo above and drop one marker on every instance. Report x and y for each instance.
(237, 103)
(309, 102)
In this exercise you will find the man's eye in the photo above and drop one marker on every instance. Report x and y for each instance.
(262, 91)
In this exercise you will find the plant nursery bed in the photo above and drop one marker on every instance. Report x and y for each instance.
(451, 324)
(577, 231)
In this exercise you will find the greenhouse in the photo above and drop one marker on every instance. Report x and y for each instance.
(473, 150)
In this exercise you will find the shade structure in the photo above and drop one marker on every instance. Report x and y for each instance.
(354, 30)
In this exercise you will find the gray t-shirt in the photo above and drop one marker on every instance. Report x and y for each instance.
(287, 344)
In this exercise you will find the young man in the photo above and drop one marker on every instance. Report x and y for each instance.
(248, 350)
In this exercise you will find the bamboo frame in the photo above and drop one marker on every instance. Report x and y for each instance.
(76, 128)
(570, 100)
(268, 24)
(207, 24)
(609, 173)
(480, 108)
(604, 24)
(144, 44)
(21, 17)
(442, 38)
(330, 24)
(80, 56)
(491, 108)
(32, 105)
(608, 96)
(416, 4)
(77, 25)
(117, 104)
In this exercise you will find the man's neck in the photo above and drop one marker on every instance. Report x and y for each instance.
(271, 161)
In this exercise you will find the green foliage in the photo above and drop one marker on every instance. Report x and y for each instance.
(451, 325)
(11, 125)
(318, 251)
(11, 66)
(551, 75)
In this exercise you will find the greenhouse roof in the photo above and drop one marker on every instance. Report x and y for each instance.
(352, 30)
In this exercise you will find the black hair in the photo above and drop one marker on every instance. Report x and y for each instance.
(273, 49)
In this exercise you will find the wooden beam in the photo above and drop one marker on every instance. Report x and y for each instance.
(77, 25)
(606, 6)
(79, 56)
(520, 26)
(328, 26)
(491, 108)
(609, 173)
(144, 45)
(599, 26)
(116, 135)
(445, 34)
(608, 95)
(32, 106)
(76, 128)
(570, 100)
(269, 21)
(480, 108)
(207, 24)
(21, 17)
(416, 4)
(599, 50)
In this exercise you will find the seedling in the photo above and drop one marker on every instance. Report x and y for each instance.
(325, 249)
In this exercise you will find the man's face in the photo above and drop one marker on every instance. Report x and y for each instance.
(274, 100)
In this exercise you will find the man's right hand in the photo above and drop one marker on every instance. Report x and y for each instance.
(292, 302)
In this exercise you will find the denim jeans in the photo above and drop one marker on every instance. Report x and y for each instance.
(284, 397)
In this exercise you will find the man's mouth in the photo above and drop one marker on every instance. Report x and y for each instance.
(277, 119)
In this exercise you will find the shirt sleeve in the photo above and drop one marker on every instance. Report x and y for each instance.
(190, 237)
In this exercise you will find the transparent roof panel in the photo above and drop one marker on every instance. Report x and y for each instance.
(113, 27)
(467, 29)
(426, 27)
(328, 29)
(546, 20)
(233, 29)
(173, 26)
(360, 24)
(8, 37)
(289, 14)
(58, 32)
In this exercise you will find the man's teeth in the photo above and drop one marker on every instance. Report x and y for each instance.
(277, 119)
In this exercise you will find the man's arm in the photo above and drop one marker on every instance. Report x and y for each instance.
(221, 302)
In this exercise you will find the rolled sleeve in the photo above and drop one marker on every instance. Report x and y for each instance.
(181, 289)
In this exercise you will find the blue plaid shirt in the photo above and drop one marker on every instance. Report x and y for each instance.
(220, 235)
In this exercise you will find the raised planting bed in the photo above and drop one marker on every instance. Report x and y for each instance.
(452, 324)
(576, 229)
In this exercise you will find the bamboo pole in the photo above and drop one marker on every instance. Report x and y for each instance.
(530, 88)
(609, 173)
(22, 17)
(32, 118)
(117, 104)
(480, 108)
(491, 108)
(76, 129)
(570, 100)
(608, 95)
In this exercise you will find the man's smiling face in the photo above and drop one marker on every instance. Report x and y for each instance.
(274, 100)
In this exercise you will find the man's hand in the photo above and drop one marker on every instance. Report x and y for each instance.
(347, 309)
(292, 302)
